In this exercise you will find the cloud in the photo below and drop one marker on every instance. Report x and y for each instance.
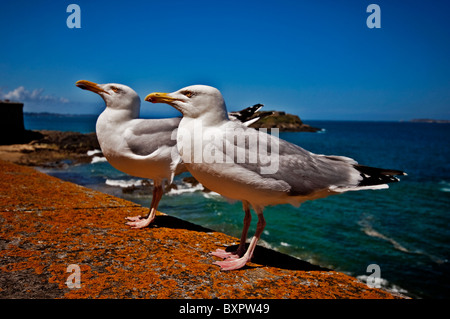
(23, 95)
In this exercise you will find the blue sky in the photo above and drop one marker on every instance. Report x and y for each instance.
(316, 59)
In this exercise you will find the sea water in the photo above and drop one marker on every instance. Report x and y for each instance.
(404, 229)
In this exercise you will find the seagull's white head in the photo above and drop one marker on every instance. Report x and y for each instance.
(116, 96)
(194, 101)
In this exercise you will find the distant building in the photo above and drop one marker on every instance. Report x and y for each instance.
(12, 128)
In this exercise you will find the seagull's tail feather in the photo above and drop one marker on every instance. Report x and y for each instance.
(372, 176)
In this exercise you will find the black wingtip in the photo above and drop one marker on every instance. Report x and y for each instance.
(255, 108)
(376, 176)
(247, 113)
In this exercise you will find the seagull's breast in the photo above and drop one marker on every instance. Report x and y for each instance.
(111, 137)
(219, 171)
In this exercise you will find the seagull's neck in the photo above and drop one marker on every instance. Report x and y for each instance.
(119, 116)
(214, 118)
(190, 123)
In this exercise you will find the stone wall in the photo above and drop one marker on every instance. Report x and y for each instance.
(12, 129)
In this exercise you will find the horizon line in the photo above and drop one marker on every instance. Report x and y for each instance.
(413, 120)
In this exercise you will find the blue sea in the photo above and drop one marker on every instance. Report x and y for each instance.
(404, 229)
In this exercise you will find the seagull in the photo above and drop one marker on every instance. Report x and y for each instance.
(275, 172)
(143, 148)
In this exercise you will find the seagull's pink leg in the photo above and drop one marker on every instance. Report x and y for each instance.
(139, 217)
(141, 222)
(233, 263)
(241, 249)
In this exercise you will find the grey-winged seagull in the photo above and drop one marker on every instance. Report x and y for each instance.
(282, 172)
(143, 148)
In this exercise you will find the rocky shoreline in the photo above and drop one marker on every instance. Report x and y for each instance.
(56, 148)
(51, 149)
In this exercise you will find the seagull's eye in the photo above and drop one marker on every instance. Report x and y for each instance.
(188, 94)
(115, 89)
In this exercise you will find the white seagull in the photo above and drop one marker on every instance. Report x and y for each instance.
(143, 148)
(274, 172)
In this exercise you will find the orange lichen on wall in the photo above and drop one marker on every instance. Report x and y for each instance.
(48, 224)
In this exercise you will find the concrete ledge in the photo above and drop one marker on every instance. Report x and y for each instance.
(48, 224)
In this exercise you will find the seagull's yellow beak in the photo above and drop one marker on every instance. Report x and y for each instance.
(158, 97)
(90, 86)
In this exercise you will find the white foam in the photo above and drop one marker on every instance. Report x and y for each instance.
(93, 152)
(124, 183)
(369, 231)
(284, 244)
(384, 284)
(185, 189)
(98, 159)
(446, 186)
(445, 189)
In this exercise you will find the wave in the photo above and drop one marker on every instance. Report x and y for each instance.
(93, 152)
(446, 188)
(178, 190)
(181, 189)
(370, 231)
(384, 284)
(98, 159)
(124, 183)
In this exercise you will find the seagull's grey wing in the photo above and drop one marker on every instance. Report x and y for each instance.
(146, 136)
(287, 167)
(283, 166)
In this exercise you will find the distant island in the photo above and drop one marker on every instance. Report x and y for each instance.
(429, 121)
(283, 121)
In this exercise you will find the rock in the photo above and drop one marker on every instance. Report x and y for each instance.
(51, 148)
(70, 141)
(283, 121)
(12, 129)
(47, 225)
